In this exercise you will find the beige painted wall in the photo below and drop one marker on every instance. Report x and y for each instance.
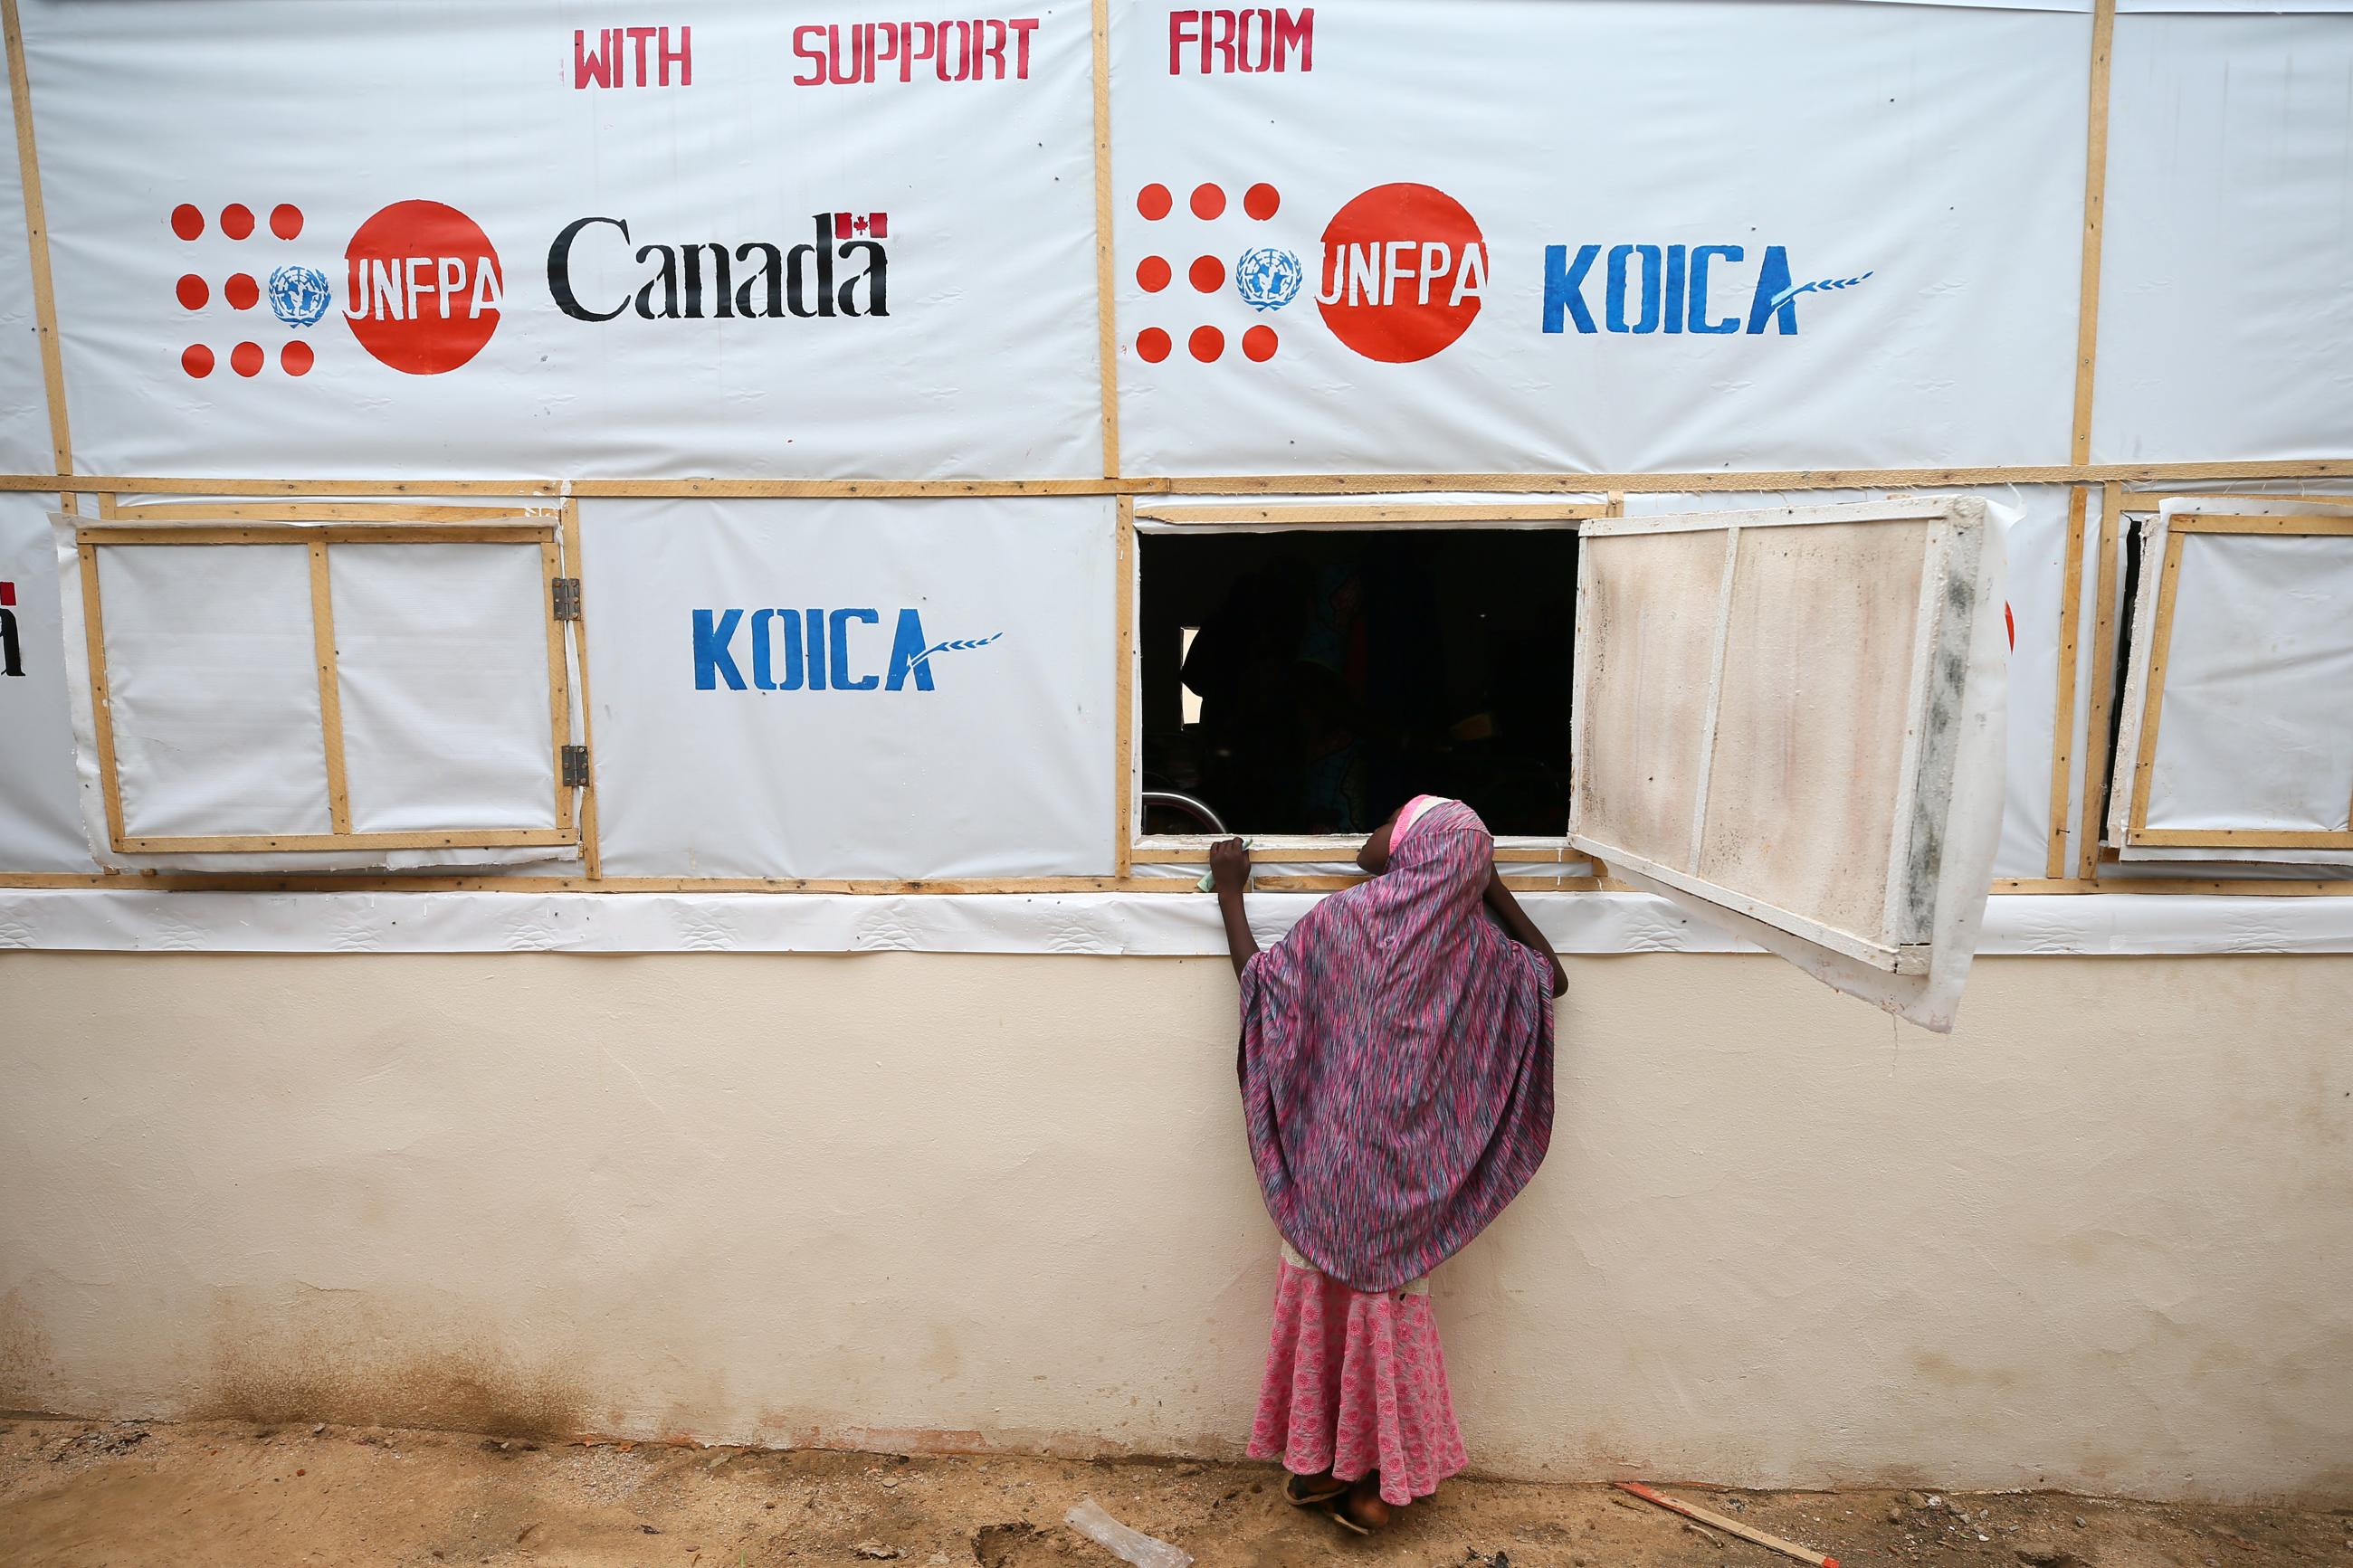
(2096, 1239)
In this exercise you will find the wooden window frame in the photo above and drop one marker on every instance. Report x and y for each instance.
(1136, 848)
(318, 528)
(2179, 528)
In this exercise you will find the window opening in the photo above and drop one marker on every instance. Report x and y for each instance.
(1309, 681)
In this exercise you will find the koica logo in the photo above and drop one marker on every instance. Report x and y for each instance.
(1675, 288)
(422, 287)
(1400, 272)
(814, 650)
(11, 652)
(844, 270)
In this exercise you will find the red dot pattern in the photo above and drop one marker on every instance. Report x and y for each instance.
(240, 291)
(1206, 273)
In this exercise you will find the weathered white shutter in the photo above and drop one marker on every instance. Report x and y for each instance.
(1791, 721)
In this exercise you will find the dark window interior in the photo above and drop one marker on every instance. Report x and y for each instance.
(2122, 667)
(1338, 672)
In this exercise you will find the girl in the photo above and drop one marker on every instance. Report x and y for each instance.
(1396, 1063)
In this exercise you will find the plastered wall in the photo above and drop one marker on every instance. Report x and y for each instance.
(2096, 1239)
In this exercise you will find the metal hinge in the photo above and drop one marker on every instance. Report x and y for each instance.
(568, 598)
(576, 767)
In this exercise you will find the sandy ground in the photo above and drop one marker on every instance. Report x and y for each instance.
(225, 1495)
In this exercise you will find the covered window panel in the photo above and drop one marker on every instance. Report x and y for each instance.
(319, 694)
(441, 652)
(212, 690)
(2234, 740)
(1792, 721)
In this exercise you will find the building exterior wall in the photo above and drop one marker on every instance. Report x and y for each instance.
(2095, 1239)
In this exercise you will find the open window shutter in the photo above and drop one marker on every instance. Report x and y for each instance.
(1791, 722)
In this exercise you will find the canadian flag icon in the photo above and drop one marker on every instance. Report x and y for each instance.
(862, 225)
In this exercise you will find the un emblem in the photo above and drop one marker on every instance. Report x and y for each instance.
(299, 296)
(1268, 279)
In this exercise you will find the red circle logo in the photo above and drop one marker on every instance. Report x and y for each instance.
(424, 287)
(1404, 270)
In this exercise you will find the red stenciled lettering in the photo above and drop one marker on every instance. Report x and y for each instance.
(1256, 27)
(980, 49)
(803, 49)
(1295, 32)
(587, 66)
(641, 37)
(1184, 28)
(683, 55)
(1220, 37)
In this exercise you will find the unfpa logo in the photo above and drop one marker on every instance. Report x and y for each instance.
(1400, 273)
(812, 650)
(422, 292)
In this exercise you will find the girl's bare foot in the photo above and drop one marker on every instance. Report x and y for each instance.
(1305, 1491)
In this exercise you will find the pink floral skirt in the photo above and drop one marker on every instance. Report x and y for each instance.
(1356, 1383)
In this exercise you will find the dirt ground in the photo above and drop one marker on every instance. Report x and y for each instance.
(225, 1494)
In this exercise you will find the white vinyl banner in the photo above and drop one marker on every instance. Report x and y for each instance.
(390, 239)
(40, 818)
(1662, 235)
(2224, 314)
(24, 412)
(853, 689)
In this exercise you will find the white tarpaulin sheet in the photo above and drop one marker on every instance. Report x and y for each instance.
(40, 814)
(2255, 725)
(24, 409)
(388, 238)
(853, 689)
(1142, 924)
(1613, 237)
(2223, 310)
(441, 660)
(216, 689)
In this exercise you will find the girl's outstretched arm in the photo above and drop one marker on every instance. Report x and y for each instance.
(1522, 928)
(1229, 869)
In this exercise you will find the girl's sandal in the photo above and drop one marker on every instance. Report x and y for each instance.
(1338, 1509)
(1298, 1497)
